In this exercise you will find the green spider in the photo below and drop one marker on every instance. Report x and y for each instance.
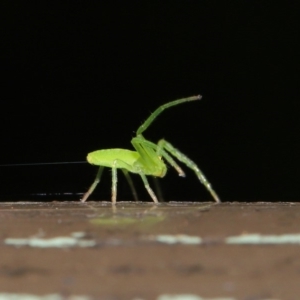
(148, 159)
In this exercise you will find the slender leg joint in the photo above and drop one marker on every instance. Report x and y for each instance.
(93, 186)
(114, 183)
(147, 187)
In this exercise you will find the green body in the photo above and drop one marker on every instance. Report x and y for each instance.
(148, 159)
(129, 160)
(107, 157)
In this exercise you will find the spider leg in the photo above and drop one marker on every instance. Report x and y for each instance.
(114, 183)
(158, 190)
(130, 182)
(148, 188)
(161, 152)
(160, 109)
(120, 164)
(189, 163)
(94, 184)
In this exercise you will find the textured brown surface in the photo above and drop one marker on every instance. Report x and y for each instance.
(127, 262)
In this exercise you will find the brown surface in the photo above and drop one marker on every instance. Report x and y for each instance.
(127, 262)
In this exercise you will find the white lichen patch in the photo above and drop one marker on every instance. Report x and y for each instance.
(264, 239)
(179, 238)
(189, 297)
(244, 239)
(12, 296)
(75, 240)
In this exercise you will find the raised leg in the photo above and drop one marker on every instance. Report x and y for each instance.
(94, 184)
(189, 163)
(159, 110)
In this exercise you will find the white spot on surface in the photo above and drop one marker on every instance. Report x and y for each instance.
(188, 297)
(11, 296)
(57, 242)
(180, 238)
(264, 239)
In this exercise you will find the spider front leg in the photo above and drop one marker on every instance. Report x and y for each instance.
(163, 144)
(148, 188)
(160, 152)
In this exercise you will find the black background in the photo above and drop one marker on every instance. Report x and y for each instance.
(83, 75)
